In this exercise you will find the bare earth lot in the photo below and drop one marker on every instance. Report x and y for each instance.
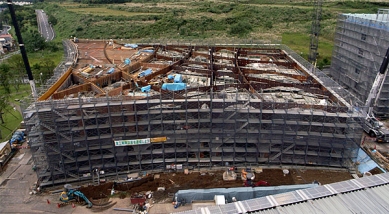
(17, 179)
(212, 179)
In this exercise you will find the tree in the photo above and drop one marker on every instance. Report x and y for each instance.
(36, 70)
(33, 41)
(4, 78)
(4, 89)
(47, 68)
(44, 70)
(52, 20)
(3, 105)
(18, 70)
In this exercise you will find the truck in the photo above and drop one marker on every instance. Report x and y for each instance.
(371, 125)
(375, 128)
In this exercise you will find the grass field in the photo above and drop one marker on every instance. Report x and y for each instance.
(210, 20)
(36, 57)
(12, 117)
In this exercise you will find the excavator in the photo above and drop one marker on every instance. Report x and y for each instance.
(371, 125)
(70, 194)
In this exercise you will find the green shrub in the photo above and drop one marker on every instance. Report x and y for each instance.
(240, 29)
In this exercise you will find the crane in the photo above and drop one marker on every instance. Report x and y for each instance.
(372, 98)
(371, 125)
(315, 31)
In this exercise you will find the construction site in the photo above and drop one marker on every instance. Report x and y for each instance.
(122, 108)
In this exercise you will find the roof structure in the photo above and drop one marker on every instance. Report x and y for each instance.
(363, 195)
(6, 36)
(140, 71)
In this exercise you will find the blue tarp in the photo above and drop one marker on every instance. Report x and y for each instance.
(178, 78)
(365, 162)
(146, 72)
(173, 86)
(146, 88)
(240, 193)
(111, 70)
(127, 61)
(170, 77)
(17, 137)
(131, 45)
(147, 51)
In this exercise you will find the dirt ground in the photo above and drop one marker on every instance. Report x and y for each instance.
(172, 182)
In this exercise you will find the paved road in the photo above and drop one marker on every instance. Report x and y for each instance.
(43, 25)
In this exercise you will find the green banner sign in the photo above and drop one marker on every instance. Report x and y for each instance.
(132, 142)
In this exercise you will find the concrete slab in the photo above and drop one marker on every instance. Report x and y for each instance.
(19, 209)
(11, 168)
(26, 159)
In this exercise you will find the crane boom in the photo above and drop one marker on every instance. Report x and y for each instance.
(371, 125)
(372, 98)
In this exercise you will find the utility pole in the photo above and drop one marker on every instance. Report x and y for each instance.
(315, 31)
(22, 49)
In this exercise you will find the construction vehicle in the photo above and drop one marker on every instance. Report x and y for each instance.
(70, 194)
(371, 124)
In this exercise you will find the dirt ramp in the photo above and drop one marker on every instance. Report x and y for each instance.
(104, 190)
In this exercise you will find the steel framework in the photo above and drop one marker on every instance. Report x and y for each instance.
(234, 123)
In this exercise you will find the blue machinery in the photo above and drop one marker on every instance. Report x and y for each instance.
(70, 194)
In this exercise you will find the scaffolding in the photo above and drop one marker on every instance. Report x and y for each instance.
(228, 115)
(361, 41)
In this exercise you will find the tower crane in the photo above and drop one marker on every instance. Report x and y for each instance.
(315, 31)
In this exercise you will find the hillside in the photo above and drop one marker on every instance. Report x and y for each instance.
(207, 21)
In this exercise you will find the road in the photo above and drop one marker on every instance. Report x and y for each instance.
(43, 25)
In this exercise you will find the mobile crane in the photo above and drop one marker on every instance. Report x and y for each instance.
(371, 125)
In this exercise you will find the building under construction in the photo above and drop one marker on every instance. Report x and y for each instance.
(124, 108)
(361, 41)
